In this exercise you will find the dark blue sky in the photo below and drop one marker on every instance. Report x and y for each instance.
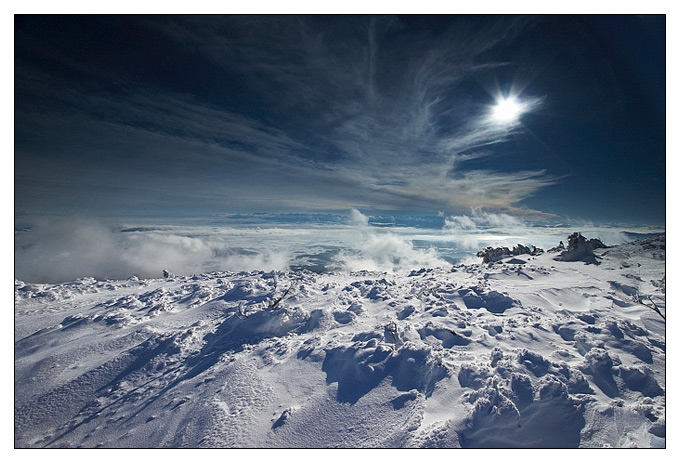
(144, 116)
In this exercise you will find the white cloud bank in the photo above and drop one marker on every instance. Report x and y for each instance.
(378, 250)
(482, 228)
(59, 250)
(481, 220)
(65, 249)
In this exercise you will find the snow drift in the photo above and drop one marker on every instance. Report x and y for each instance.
(534, 352)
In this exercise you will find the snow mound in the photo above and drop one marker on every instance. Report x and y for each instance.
(537, 353)
(361, 367)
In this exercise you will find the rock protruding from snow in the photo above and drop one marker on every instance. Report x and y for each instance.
(579, 248)
(558, 248)
(491, 254)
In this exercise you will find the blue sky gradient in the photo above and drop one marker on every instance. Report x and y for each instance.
(187, 116)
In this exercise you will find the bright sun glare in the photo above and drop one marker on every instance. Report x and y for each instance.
(507, 110)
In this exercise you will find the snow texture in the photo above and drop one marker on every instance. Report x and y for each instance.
(531, 352)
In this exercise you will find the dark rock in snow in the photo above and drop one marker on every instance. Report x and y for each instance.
(282, 419)
(491, 254)
(558, 248)
(579, 248)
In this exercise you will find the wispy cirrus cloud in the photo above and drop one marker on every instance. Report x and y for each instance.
(296, 112)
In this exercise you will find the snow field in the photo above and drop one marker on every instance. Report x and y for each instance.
(525, 352)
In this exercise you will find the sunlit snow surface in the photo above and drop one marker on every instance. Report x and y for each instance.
(526, 352)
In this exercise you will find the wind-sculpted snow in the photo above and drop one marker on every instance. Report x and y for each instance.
(361, 367)
(534, 352)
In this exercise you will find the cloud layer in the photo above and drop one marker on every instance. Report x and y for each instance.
(379, 250)
(63, 249)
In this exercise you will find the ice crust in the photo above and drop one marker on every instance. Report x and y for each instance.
(535, 352)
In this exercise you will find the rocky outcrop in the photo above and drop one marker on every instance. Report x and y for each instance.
(491, 254)
(579, 248)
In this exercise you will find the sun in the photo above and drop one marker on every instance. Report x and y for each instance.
(507, 110)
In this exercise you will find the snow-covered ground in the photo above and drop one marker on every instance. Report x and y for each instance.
(528, 351)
